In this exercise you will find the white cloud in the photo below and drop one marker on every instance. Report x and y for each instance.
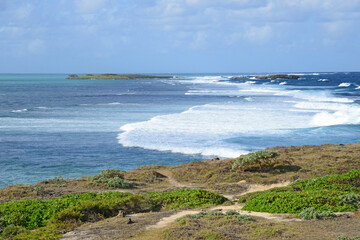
(36, 46)
(24, 11)
(89, 6)
(258, 34)
(199, 40)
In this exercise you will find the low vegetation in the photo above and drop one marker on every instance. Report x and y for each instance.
(47, 210)
(256, 160)
(311, 213)
(113, 178)
(338, 193)
(113, 76)
(342, 237)
(229, 215)
(53, 217)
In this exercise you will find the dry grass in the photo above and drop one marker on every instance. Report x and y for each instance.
(220, 228)
(216, 175)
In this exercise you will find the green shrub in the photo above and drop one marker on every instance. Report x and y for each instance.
(185, 197)
(348, 238)
(216, 213)
(311, 213)
(348, 182)
(336, 193)
(69, 211)
(11, 231)
(199, 215)
(32, 214)
(244, 218)
(113, 178)
(295, 202)
(259, 159)
(351, 199)
(249, 196)
(231, 213)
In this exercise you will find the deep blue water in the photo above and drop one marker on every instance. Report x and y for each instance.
(52, 126)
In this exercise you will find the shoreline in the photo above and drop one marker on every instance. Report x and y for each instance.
(146, 176)
(216, 193)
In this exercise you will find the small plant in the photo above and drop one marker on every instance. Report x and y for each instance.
(244, 218)
(342, 237)
(55, 179)
(310, 213)
(198, 215)
(11, 231)
(39, 190)
(216, 213)
(113, 178)
(351, 199)
(259, 159)
(231, 213)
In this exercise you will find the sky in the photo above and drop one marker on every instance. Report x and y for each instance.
(179, 36)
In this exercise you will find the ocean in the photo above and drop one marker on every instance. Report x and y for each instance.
(52, 126)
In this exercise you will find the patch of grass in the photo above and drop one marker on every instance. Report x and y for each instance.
(113, 178)
(199, 215)
(11, 231)
(53, 216)
(351, 199)
(257, 160)
(310, 213)
(229, 215)
(348, 182)
(342, 237)
(209, 235)
(335, 193)
(250, 196)
(244, 218)
(185, 198)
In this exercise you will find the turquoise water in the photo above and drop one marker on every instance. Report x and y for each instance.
(52, 126)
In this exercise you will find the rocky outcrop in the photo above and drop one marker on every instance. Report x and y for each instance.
(275, 76)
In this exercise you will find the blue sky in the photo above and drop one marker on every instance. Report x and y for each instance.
(159, 36)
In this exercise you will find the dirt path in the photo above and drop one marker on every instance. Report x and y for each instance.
(262, 187)
(173, 181)
(252, 188)
(276, 217)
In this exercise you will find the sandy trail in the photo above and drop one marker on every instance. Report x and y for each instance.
(172, 180)
(252, 188)
(262, 187)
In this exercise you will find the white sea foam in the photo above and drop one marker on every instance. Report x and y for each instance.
(323, 80)
(344, 84)
(283, 83)
(250, 82)
(109, 104)
(357, 88)
(20, 110)
(332, 113)
(203, 129)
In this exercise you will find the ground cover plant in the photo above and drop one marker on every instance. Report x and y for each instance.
(337, 193)
(257, 160)
(113, 178)
(231, 214)
(53, 217)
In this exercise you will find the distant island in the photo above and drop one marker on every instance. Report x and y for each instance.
(276, 76)
(113, 76)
